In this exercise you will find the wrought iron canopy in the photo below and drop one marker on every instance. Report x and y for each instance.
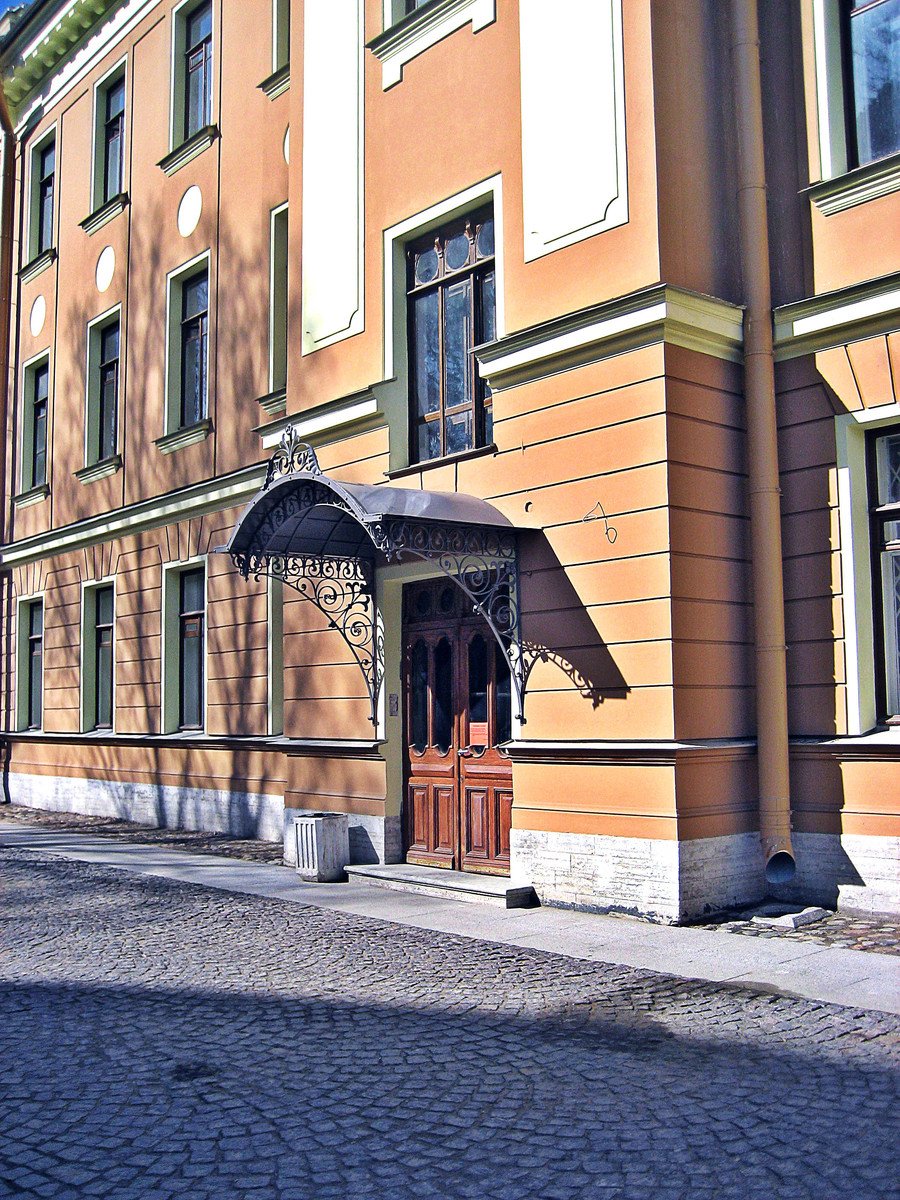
(324, 538)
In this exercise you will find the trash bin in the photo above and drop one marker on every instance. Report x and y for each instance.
(323, 846)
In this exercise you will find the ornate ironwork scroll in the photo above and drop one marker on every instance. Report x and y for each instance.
(292, 456)
(483, 561)
(342, 589)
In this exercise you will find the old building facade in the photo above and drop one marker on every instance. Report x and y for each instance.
(479, 417)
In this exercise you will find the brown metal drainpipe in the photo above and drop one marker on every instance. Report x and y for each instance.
(762, 450)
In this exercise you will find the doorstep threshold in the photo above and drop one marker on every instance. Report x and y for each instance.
(452, 885)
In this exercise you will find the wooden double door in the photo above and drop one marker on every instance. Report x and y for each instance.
(458, 713)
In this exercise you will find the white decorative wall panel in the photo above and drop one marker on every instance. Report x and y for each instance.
(574, 176)
(332, 240)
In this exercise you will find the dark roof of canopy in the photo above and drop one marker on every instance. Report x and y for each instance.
(338, 525)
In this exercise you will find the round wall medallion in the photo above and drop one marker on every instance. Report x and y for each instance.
(38, 316)
(287, 145)
(106, 268)
(189, 210)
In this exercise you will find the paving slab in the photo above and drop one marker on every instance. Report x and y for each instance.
(829, 974)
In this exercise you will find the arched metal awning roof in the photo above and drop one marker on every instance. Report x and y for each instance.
(324, 537)
(305, 512)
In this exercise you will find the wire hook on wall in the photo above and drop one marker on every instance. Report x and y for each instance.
(610, 530)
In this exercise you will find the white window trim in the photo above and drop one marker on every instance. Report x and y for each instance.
(169, 614)
(21, 673)
(48, 134)
(829, 88)
(274, 216)
(88, 683)
(26, 424)
(95, 328)
(396, 238)
(174, 280)
(119, 70)
(275, 655)
(421, 34)
(180, 13)
(856, 560)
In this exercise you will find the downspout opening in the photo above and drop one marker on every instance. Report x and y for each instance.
(781, 867)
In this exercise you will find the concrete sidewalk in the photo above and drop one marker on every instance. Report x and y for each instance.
(837, 976)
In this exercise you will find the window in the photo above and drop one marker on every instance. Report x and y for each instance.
(194, 347)
(32, 664)
(197, 69)
(34, 425)
(278, 301)
(281, 34)
(98, 656)
(872, 79)
(112, 139)
(43, 187)
(107, 392)
(884, 474)
(451, 309)
(190, 649)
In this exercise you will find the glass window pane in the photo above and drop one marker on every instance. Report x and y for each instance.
(478, 684)
(39, 445)
(456, 253)
(196, 104)
(426, 354)
(104, 606)
(36, 619)
(488, 331)
(443, 696)
(890, 576)
(199, 25)
(429, 440)
(427, 264)
(457, 344)
(109, 343)
(419, 697)
(103, 713)
(458, 431)
(115, 99)
(41, 383)
(875, 50)
(484, 239)
(192, 591)
(887, 457)
(191, 674)
(195, 296)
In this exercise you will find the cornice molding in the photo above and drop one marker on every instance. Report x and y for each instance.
(105, 213)
(425, 27)
(316, 423)
(835, 318)
(660, 754)
(187, 436)
(40, 263)
(32, 496)
(656, 314)
(189, 150)
(856, 187)
(211, 495)
(99, 470)
(277, 83)
(273, 403)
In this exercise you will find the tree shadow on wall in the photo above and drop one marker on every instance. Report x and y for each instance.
(557, 629)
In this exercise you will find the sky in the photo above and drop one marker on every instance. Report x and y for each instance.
(5, 4)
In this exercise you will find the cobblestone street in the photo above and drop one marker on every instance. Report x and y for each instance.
(166, 1040)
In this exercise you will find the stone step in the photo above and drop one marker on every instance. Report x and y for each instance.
(451, 885)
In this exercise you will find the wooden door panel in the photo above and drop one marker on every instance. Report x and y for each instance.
(444, 807)
(476, 836)
(504, 821)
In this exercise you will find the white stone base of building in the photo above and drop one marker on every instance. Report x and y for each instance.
(855, 873)
(372, 839)
(676, 881)
(239, 814)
